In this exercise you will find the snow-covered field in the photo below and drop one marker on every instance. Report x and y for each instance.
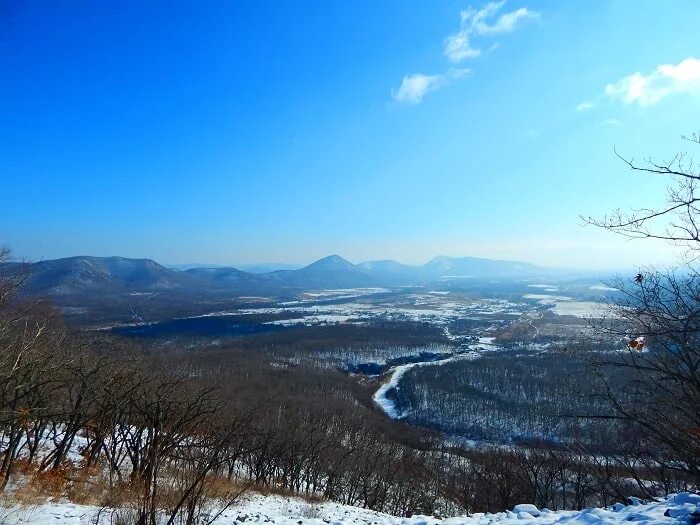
(602, 288)
(438, 307)
(583, 309)
(564, 305)
(342, 293)
(431, 307)
(255, 508)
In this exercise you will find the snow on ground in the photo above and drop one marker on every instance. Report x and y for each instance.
(578, 308)
(547, 287)
(342, 293)
(547, 299)
(427, 307)
(256, 508)
(422, 308)
(380, 396)
(357, 305)
(564, 305)
(389, 407)
(315, 320)
(602, 288)
(487, 341)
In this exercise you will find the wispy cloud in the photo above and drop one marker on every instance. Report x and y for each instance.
(611, 122)
(665, 80)
(414, 87)
(482, 22)
(585, 106)
(458, 47)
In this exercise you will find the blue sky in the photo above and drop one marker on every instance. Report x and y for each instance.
(238, 132)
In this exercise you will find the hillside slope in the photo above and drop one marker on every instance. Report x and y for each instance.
(680, 509)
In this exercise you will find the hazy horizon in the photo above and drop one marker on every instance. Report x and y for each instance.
(245, 266)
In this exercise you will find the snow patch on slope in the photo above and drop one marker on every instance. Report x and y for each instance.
(677, 509)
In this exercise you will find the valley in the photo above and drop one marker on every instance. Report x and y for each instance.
(422, 344)
(421, 377)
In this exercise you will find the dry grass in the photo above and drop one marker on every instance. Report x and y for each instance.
(35, 487)
(100, 491)
(222, 488)
(121, 500)
(76, 483)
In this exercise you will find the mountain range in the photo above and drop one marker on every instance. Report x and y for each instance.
(119, 275)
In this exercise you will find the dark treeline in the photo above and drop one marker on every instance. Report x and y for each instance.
(159, 433)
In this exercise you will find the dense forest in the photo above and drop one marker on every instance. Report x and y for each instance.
(511, 396)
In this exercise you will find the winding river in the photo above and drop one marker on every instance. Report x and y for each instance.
(388, 405)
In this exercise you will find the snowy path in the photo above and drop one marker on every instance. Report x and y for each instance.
(397, 372)
(381, 398)
(381, 395)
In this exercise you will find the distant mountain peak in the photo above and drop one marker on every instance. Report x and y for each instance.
(332, 262)
(444, 265)
(334, 258)
(95, 276)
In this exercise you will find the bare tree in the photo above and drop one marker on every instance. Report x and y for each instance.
(29, 333)
(12, 276)
(653, 381)
(678, 220)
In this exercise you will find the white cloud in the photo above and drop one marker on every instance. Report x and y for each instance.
(612, 122)
(482, 22)
(585, 106)
(414, 87)
(665, 80)
(457, 47)
(506, 22)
